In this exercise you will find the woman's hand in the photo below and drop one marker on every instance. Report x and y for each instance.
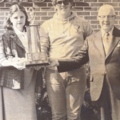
(19, 63)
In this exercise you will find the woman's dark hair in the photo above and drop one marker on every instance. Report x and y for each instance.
(14, 8)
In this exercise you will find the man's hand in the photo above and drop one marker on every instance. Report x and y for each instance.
(53, 62)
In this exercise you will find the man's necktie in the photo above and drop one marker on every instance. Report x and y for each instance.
(106, 42)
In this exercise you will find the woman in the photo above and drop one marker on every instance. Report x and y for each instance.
(61, 37)
(17, 83)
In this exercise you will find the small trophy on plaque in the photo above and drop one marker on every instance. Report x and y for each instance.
(34, 48)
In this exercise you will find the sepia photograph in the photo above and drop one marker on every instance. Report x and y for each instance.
(59, 59)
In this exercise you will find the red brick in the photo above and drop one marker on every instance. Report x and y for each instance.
(114, 4)
(45, 18)
(87, 8)
(37, 9)
(30, 0)
(27, 4)
(37, 22)
(96, 4)
(91, 17)
(94, 13)
(94, 26)
(116, 22)
(41, 13)
(116, 13)
(3, 9)
(24, 0)
(98, 26)
(81, 4)
(78, 0)
(90, 0)
(83, 13)
(96, 30)
(1, 4)
(117, 8)
(50, 4)
(38, 1)
(41, 22)
(47, 9)
(95, 21)
(117, 17)
(104, 0)
(51, 13)
(41, 4)
(93, 8)
(48, 0)
(77, 8)
(37, 18)
(116, 1)
(7, 5)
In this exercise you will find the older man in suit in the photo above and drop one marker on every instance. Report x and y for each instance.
(102, 50)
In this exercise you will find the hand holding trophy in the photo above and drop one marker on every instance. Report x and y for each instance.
(18, 63)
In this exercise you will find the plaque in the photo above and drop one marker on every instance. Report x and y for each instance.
(33, 54)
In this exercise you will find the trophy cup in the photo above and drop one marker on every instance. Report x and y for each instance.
(34, 48)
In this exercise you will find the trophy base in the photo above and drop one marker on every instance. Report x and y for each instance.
(39, 63)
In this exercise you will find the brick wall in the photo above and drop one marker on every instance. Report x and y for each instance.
(44, 10)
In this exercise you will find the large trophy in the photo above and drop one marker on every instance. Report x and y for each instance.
(34, 47)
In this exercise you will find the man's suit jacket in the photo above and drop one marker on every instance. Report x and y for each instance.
(100, 65)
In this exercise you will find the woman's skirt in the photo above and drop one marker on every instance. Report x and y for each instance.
(19, 104)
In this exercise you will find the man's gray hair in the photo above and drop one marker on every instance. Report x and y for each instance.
(106, 6)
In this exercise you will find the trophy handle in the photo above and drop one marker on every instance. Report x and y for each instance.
(39, 44)
(29, 37)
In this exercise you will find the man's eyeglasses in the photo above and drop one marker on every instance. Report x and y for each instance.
(107, 16)
(64, 2)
